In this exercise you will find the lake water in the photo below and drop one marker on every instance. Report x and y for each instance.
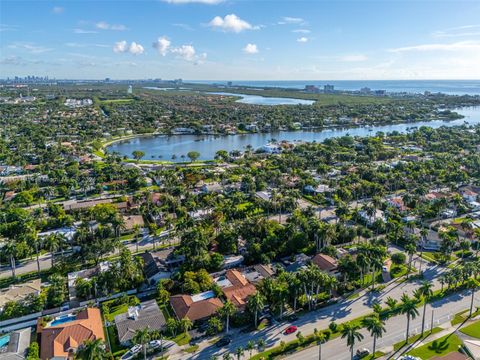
(163, 146)
(263, 100)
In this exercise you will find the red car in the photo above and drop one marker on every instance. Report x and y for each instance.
(290, 330)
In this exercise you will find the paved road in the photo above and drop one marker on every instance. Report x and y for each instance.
(30, 265)
(443, 311)
(343, 311)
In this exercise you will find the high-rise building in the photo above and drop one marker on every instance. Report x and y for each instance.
(130, 89)
(328, 89)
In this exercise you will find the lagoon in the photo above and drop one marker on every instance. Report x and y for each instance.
(163, 147)
(264, 100)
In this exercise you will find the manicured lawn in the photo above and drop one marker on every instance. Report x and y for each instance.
(398, 270)
(182, 339)
(191, 349)
(116, 309)
(472, 330)
(439, 347)
(462, 316)
(412, 339)
(114, 343)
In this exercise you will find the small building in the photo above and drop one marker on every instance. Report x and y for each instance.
(147, 315)
(196, 307)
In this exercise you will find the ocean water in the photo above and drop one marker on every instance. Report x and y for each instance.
(452, 87)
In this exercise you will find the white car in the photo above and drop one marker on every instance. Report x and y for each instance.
(131, 353)
(409, 357)
(157, 343)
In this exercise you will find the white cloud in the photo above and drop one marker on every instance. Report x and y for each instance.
(208, 2)
(58, 10)
(250, 49)
(135, 49)
(123, 47)
(459, 31)
(231, 23)
(457, 46)
(162, 44)
(186, 52)
(102, 25)
(353, 58)
(83, 31)
(291, 20)
(29, 47)
(301, 31)
(303, 39)
(120, 46)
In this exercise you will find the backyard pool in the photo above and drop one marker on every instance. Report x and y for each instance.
(62, 320)
(4, 340)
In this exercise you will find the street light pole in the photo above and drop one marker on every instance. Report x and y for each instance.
(431, 325)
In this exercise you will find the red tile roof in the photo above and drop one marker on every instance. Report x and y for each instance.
(184, 306)
(325, 262)
(56, 341)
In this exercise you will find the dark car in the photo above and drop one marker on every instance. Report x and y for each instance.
(361, 353)
(223, 341)
(292, 317)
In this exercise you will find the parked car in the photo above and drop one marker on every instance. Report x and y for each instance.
(223, 341)
(290, 330)
(292, 317)
(131, 353)
(361, 353)
(157, 343)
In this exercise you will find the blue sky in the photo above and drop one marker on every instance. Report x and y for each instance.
(241, 39)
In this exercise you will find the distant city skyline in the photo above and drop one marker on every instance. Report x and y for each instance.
(240, 40)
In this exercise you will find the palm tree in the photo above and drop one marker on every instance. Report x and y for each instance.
(409, 308)
(410, 249)
(426, 292)
(250, 346)
(320, 337)
(92, 350)
(239, 352)
(227, 310)
(376, 326)
(142, 337)
(260, 344)
(472, 284)
(185, 324)
(352, 333)
(255, 303)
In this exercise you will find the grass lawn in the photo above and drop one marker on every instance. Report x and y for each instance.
(439, 347)
(116, 309)
(114, 343)
(191, 349)
(463, 315)
(412, 339)
(182, 339)
(397, 271)
(472, 330)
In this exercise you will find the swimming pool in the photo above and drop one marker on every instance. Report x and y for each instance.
(62, 320)
(4, 340)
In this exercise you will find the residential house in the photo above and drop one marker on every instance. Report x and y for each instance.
(160, 264)
(195, 307)
(19, 292)
(236, 288)
(16, 345)
(147, 315)
(131, 222)
(61, 337)
(432, 241)
(326, 263)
